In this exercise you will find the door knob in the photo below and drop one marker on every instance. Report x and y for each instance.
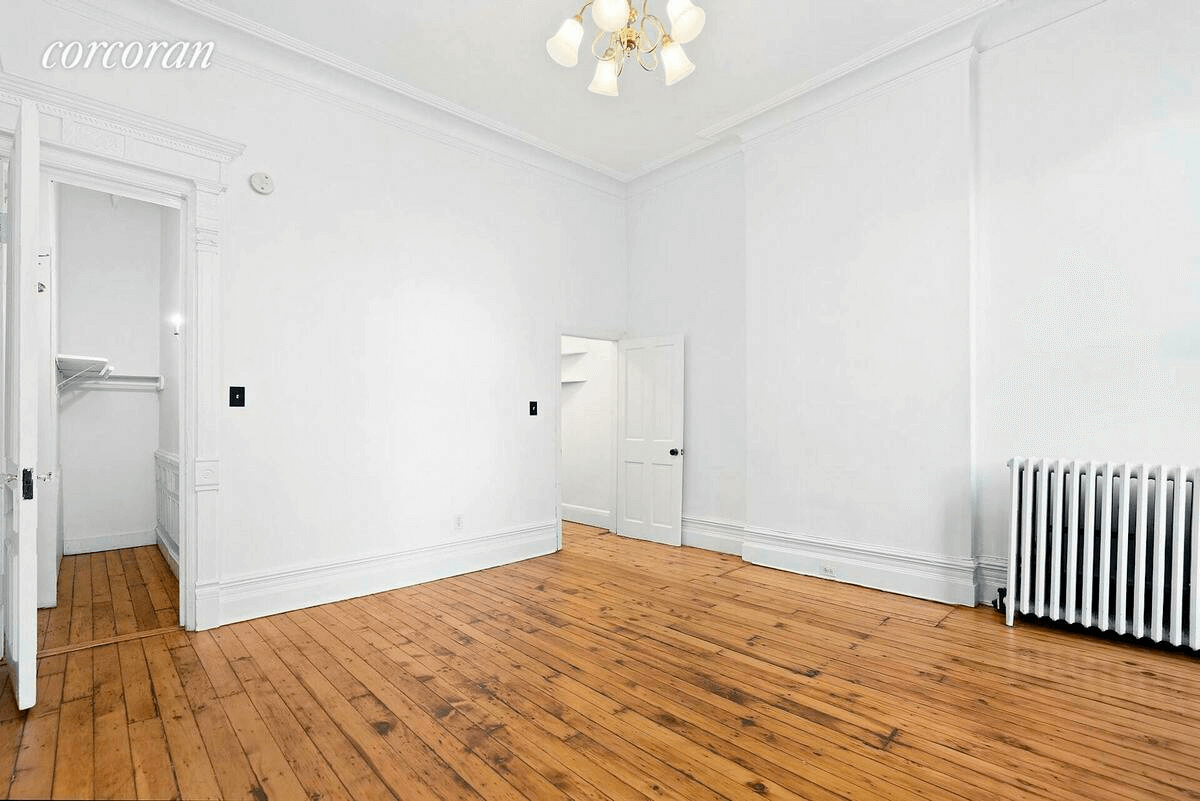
(676, 451)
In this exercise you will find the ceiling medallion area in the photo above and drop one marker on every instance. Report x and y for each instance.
(625, 36)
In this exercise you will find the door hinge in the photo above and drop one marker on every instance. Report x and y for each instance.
(3, 227)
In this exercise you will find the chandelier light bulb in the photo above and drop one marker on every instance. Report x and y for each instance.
(687, 20)
(604, 82)
(563, 46)
(676, 64)
(610, 15)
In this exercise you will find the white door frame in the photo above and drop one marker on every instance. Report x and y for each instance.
(104, 147)
(607, 336)
(177, 203)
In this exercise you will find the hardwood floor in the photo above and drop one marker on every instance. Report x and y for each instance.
(615, 669)
(102, 596)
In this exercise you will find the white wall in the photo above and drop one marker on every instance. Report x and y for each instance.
(109, 259)
(589, 408)
(390, 310)
(859, 293)
(858, 370)
(1089, 345)
(687, 275)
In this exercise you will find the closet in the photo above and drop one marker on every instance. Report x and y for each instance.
(109, 413)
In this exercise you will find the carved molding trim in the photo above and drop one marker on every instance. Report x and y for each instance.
(208, 474)
(98, 127)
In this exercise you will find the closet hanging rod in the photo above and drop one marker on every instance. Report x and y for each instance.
(121, 381)
(95, 372)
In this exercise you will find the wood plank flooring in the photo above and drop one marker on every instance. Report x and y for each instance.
(109, 595)
(613, 670)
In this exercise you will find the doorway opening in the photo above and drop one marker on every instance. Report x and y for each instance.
(587, 414)
(109, 418)
(621, 436)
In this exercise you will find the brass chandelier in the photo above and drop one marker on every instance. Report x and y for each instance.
(624, 37)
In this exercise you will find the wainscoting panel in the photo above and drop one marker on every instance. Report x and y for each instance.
(166, 480)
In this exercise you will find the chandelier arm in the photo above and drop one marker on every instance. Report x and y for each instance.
(596, 41)
(585, 7)
(661, 32)
(653, 66)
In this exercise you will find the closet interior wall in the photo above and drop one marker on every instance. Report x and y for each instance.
(116, 296)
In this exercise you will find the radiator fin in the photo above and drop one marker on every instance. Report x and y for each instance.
(1108, 546)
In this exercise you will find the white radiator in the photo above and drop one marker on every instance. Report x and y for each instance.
(1109, 546)
(166, 471)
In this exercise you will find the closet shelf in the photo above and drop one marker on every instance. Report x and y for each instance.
(95, 372)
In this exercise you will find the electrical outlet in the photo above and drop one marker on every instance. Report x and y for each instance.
(458, 522)
(827, 571)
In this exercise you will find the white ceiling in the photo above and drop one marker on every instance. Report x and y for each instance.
(490, 58)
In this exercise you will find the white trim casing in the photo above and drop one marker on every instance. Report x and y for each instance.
(94, 543)
(105, 147)
(714, 535)
(259, 595)
(601, 518)
(991, 573)
(920, 575)
(169, 555)
(610, 336)
(938, 578)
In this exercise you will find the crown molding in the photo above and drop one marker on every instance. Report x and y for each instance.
(266, 54)
(288, 64)
(271, 36)
(951, 40)
(683, 165)
(925, 44)
(1019, 18)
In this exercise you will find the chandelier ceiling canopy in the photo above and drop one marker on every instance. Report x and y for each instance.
(623, 36)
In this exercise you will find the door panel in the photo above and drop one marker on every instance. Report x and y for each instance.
(21, 376)
(650, 426)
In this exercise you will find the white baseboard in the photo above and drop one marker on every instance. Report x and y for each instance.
(107, 542)
(588, 516)
(920, 575)
(231, 600)
(714, 535)
(991, 573)
(169, 550)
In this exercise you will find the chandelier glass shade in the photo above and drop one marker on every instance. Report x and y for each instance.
(624, 35)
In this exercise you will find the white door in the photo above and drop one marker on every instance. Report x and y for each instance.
(21, 374)
(650, 439)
